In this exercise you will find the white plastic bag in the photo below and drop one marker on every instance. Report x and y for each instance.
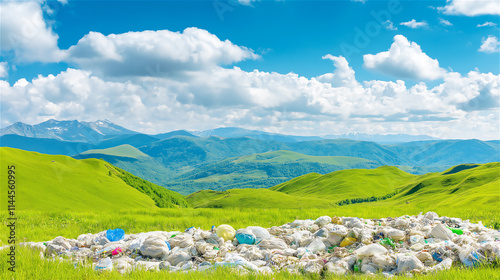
(370, 250)
(316, 246)
(260, 233)
(273, 243)
(178, 257)
(154, 247)
(441, 232)
(181, 240)
(396, 234)
(408, 263)
(323, 220)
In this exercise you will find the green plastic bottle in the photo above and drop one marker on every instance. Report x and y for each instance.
(456, 230)
(388, 241)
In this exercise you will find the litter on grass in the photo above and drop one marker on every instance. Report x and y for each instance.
(338, 245)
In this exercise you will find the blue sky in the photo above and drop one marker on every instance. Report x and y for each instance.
(440, 54)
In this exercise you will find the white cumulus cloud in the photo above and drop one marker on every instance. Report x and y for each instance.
(461, 106)
(490, 44)
(25, 33)
(415, 24)
(404, 59)
(160, 52)
(343, 76)
(471, 7)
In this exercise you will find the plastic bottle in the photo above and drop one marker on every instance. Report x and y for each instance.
(347, 241)
(388, 241)
(456, 230)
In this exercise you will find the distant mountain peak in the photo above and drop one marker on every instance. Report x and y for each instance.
(68, 130)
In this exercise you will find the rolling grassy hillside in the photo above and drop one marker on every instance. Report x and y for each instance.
(260, 171)
(50, 182)
(255, 198)
(384, 187)
(353, 183)
(289, 156)
(460, 186)
(133, 160)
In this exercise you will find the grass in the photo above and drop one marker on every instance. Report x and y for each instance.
(50, 224)
(48, 182)
(351, 183)
(457, 187)
(124, 150)
(30, 266)
(289, 156)
(252, 174)
(254, 198)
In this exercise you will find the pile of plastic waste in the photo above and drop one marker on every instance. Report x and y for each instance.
(338, 245)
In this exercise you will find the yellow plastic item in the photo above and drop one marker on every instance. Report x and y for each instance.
(347, 241)
(337, 220)
(226, 231)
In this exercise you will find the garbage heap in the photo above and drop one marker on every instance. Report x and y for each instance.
(338, 245)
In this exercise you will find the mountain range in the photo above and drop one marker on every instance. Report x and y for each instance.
(80, 131)
(187, 162)
(92, 132)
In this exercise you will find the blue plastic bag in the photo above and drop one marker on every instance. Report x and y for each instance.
(472, 260)
(115, 234)
(244, 238)
(437, 256)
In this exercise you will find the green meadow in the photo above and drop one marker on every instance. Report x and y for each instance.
(61, 196)
(32, 267)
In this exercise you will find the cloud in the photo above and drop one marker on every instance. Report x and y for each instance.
(415, 24)
(471, 8)
(154, 52)
(460, 106)
(404, 59)
(474, 92)
(361, 1)
(343, 76)
(389, 25)
(25, 33)
(445, 22)
(490, 44)
(4, 72)
(488, 23)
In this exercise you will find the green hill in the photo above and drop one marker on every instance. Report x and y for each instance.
(54, 182)
(133, 160)
(260, 171)
(252, 198)
(459, 186)
(289, 156)
(124, 150)
(353, 183)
